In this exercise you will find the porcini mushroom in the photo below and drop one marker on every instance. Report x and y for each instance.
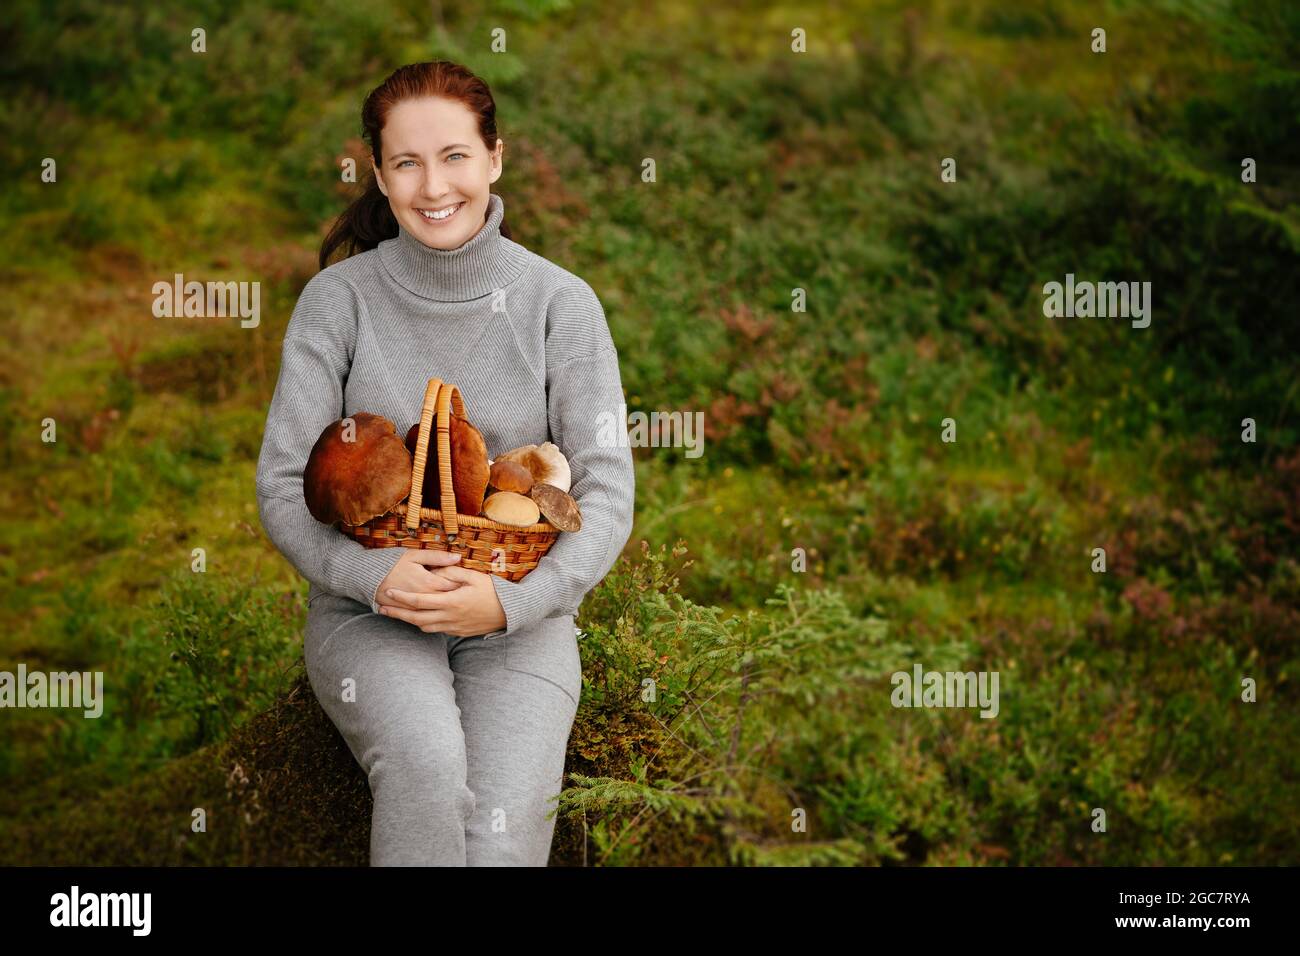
(558, 506)
(545, 462)
(357, 470)
(469, 466)
(510, 476)
(509, 507)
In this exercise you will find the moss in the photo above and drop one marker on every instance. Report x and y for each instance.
(284, 790)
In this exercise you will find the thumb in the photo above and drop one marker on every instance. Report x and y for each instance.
(434, 559)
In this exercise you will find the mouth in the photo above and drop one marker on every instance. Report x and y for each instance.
(440, 215)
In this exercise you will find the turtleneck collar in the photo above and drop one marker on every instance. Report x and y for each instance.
(483, 264)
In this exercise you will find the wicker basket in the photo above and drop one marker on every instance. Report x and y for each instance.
(510, 551)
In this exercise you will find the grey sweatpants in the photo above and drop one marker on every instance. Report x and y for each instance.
(462, 738)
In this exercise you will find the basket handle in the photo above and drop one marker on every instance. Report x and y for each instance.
(440, 398)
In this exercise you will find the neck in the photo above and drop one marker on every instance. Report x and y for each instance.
(482, 264)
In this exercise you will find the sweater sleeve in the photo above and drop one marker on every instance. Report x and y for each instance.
(317, 355)
(586, 414)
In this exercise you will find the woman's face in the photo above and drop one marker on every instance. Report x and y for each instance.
(434, 161)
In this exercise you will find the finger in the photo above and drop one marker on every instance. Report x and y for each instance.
(421, 619)
(460, 575)
(430, 582)
(434, 558)
(398, 597)
(436, 580)
(411, 600)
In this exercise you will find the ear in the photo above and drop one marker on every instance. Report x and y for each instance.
(378, 176)
(494, 162)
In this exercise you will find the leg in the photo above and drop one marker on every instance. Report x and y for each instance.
(403, 728)
(518, 695)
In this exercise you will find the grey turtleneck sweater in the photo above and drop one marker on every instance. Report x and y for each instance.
(529, 347)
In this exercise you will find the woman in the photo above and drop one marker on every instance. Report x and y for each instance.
(455, 689)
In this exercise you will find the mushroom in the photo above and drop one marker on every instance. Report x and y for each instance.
(509, 507)
(357, 470)
(469, 466)
(510, 476)
(429, 490)
(545, 462)
(559, 508)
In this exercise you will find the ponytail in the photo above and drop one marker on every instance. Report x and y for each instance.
(362, 226)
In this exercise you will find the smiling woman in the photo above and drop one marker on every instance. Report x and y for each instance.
(455, 689)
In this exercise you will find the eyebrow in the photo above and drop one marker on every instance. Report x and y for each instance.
(443, 150)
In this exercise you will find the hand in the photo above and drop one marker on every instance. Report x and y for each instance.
(459, 602)
(416, 570)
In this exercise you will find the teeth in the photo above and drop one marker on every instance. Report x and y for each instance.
(440, 215)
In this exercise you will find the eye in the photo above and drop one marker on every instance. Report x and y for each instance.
(404, 162)
(456, 154)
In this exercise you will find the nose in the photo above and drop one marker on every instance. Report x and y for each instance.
(435, 186)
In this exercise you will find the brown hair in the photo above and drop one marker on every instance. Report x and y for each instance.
(369, 220)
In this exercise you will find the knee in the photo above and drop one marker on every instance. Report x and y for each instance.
(428, 776)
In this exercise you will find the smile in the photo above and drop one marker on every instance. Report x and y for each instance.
(442, 215)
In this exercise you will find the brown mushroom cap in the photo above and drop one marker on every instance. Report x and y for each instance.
(355, 480)
(429, 491)
(469, 466)
(510, 507)
(510, 476)
(557, 506)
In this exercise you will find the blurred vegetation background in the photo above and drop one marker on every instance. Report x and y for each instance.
(775, 171)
